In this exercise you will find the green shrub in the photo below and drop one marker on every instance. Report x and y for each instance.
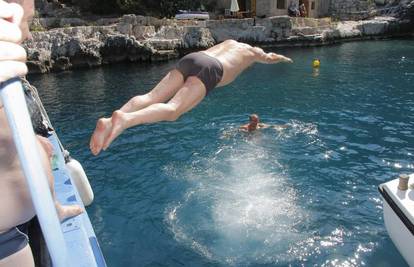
(158, 8)
(37, 27)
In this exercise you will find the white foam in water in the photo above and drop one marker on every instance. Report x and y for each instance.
(239, 209)
(242, 209)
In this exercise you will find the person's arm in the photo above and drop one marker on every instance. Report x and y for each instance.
(269, 58)
(12, 55)
(12, 63)
(244, 128)
(264, 125)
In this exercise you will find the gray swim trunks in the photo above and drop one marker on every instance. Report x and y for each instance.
(207, 68)
(13, 240)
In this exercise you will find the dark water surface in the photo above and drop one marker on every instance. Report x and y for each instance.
(196, 192)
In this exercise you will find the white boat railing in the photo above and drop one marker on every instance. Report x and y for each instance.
(11, 93)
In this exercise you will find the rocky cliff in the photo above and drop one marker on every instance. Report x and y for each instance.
(138, 38)
(407, 10)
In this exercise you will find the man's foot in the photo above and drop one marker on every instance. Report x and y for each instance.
(118, 126)
(66, 212)
(102, 130)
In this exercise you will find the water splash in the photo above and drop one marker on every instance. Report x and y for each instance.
(238, 209)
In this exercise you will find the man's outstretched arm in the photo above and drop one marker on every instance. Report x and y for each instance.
(269, 58)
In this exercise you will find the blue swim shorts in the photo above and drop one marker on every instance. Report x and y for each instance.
(13, 240)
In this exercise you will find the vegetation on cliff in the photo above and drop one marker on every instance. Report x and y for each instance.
(159, 8)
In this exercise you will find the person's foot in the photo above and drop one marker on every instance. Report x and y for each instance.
(118, 126)
(66, 212)
(102, 130)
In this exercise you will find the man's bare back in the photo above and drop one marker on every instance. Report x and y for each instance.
(236, 57)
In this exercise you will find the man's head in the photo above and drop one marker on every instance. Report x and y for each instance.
(28, 12)
(254, 119)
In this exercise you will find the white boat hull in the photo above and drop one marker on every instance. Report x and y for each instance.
(398, 209)
(400, 235)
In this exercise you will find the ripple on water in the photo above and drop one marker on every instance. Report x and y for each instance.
(237, 210)
(198, 193)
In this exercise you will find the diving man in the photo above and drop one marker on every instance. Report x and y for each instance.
(183, 88)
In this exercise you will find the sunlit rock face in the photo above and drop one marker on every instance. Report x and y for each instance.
(60, 42)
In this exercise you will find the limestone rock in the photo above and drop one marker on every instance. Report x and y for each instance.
(348, 29)
(236, 29)
(118, 47)
(164, 44)
(39, 60)
(331, 34)
(139, 38)
(278, 27)
(373, 27)
(138, 31)
(197, 37)
(62, 49)
(351, 9)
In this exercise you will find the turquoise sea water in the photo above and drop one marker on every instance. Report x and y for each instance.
(196, 192)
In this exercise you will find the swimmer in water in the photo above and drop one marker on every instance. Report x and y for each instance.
(255, 124)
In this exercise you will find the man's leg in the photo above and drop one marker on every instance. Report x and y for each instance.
(161, 93)
(186, 98)
(63, 212)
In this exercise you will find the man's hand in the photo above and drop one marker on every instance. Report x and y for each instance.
(275, 58)
(12, 55)
(269, 58)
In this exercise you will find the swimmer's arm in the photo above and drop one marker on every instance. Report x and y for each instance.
(269, 58)
(264, 125)
(244, 128)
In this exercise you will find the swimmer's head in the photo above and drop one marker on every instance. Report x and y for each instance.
(254, 118)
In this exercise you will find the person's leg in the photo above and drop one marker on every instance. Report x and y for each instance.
(161, 93)
(186, 98)
(63, 212)
(22, 258)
